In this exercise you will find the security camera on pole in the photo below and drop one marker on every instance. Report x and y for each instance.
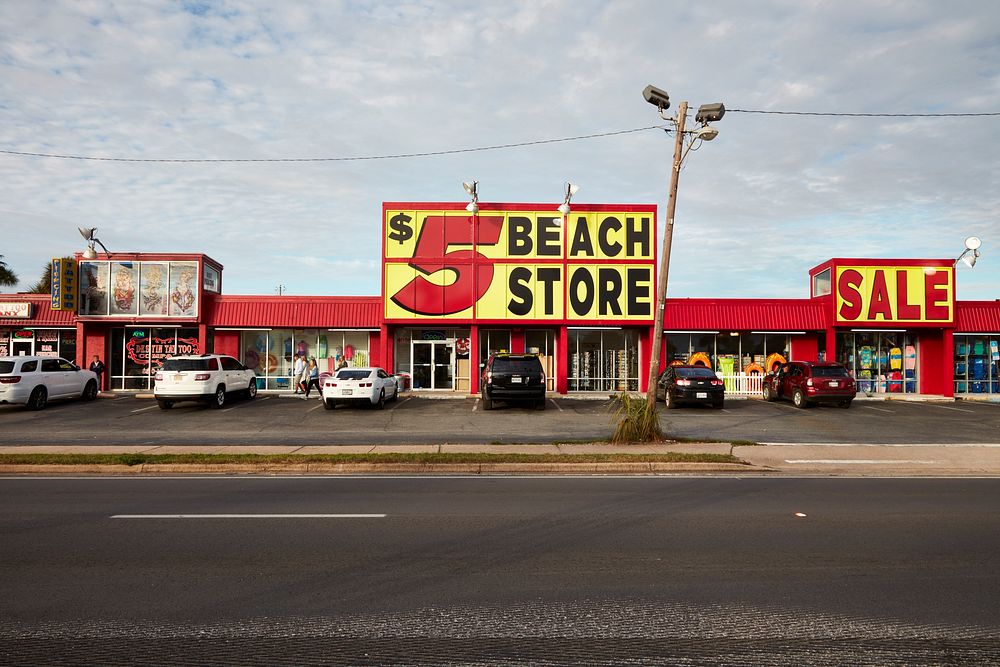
(706, 113)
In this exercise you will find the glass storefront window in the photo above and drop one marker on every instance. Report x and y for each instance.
(977, 365)
(137, 353)
(881, 362)
(603, 360)
(271, 353)
(543, 343)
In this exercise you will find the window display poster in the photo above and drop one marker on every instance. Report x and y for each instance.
(183, 297)
(123, 279)
(94, 288)
(153, 289)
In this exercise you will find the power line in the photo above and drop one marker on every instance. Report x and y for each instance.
(455, 151)
(337, 159)
(866, 115)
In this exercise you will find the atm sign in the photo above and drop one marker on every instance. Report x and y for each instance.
(903, 294)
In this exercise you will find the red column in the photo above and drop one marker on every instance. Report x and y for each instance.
(474, 368)
(562, 370)
(831, 344)
(517, 341)
(947, 362)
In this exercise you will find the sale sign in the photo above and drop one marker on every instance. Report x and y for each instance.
(901, 294)
(519, 263)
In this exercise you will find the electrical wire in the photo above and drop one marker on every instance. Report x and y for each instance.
(337, 159)
(455, 151)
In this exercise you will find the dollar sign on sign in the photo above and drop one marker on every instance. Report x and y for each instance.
(401, 230)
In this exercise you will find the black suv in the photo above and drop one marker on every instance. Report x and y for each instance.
(513, 377)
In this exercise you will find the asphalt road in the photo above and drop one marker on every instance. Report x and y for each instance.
(500, 571)
(274, 420)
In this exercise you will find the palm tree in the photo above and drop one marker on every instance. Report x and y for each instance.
(7, 277)
(44, 284)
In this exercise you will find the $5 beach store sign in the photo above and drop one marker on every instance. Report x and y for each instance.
(518, 262)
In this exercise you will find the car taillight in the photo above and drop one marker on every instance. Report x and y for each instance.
(543, 377)
(202, 376)
(365, 384)
(489, 377)
(10, 379)
(331, 384)
(683, 383)
(159, 377)
(809, 382)
(716, 383)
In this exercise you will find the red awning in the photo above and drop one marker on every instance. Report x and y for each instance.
(300, 312)
(745, 315)
(977, 317)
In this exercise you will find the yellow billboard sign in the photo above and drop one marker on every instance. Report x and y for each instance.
(521, 264)
(904, 294)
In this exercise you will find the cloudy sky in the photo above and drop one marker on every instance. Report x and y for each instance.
(773, 196)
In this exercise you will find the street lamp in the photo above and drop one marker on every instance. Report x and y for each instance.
(473, 190)
(571, 189)
(684, 140)
(971, 246)
(88, 234)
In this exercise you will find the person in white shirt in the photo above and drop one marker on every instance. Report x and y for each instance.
(299, 373)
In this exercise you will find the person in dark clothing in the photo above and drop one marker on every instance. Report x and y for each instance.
(97, 366)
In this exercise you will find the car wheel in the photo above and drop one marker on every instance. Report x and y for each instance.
(846, 403)
(487, 401)
(768, 393)
(252, 390)
(220, 397)
(90, 391)
(381, 400)
(669, 400)
(799, 399)
(165, 405)
(329, 405)
(39, 397)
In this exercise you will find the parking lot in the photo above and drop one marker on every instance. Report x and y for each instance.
(284, 420)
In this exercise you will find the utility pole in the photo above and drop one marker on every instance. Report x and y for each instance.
(668, 235)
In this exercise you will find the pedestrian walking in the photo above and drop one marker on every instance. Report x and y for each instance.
(312, 373)
(97, 367)
(298, 372)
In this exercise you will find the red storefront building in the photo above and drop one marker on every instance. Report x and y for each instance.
(576, 290)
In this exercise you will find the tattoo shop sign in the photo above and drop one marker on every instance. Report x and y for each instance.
(146, 351)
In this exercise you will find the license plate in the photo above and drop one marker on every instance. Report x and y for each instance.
(834, 384)
(178, 378)
(516, 379)
(347, 392)
(701, 394)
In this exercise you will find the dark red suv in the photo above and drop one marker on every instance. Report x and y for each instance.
(806, 382)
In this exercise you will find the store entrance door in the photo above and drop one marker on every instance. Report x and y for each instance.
(433, 364)
(21, 348)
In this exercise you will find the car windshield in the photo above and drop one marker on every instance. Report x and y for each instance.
(829, 371)
(352, 375)
(190, 364)
(531, 365)
(695, 372)
(6, 366)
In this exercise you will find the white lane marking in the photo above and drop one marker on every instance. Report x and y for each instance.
(314, 409)
(945, 407)
(868, 407)
(475, 406)
(149, 407)
(557, 405)
(248, 516)
(857, 461)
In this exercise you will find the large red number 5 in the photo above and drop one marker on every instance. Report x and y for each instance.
(431, 255)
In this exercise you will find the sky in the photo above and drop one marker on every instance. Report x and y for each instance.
(771, 197)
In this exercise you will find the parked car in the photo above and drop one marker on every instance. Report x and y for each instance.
(34, 381)
(807, 382)
(513, 378)
(690, 384)
(368, 386)
(208, 378)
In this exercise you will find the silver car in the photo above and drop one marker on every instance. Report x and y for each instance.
(34, 381)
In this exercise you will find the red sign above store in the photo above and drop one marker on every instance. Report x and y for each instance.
(917, 295)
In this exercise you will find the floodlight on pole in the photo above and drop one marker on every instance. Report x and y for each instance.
(89, 233)
(473, 191)
(971, 252)
(571, 189)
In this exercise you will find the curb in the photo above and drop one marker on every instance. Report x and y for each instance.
(153, 469)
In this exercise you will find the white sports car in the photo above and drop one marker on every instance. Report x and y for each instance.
(372, 386)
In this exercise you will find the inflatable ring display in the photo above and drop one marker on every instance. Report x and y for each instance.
(753, 368)
(272, 363)
(700, 358)
(773, 361)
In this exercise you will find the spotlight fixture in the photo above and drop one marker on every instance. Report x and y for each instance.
(971, 253)
(88, 233)
(473, 190)
(571, 189)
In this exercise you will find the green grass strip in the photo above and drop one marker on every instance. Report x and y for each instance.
(426, 458)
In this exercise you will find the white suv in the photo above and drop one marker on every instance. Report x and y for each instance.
(32, 381)
(207, 377)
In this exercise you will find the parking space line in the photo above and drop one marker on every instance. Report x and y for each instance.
(314, 409)
(945, 407)
(148, 407)
(475, 406)
(248, 516)
(558, 407)
(868, 407)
